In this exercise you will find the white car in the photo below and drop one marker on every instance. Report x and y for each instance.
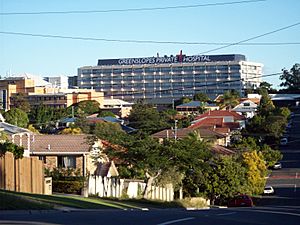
(283, 141)
(269, 190)
(277, 166)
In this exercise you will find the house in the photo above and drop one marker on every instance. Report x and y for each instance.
(247, 108)
(194, 106)
(68, 151)
(117, 106)
(208, 134)
(222, 121)
(223, 118)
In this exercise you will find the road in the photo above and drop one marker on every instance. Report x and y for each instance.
(286, 181)
(230, 216)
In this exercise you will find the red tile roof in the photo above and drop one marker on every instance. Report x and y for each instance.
(221, 113)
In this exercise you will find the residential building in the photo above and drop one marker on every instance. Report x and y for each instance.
(37, 91)
(193, 107)
(117, 106)
(219, 140)
(247, 108)
(161, 80)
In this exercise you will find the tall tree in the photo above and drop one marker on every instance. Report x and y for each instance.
(16, 117)
(256, 171)
(291, 79)
(21, 102)
(230, 99)
(146, 118)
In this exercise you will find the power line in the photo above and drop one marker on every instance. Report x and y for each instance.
(153, 41)
(130, 9)
(252, 38)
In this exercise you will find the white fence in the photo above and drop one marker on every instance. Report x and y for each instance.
(114, 187)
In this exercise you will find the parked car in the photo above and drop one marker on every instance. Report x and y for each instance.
(284, 141)
(240, 200)
(277, 166)
(269, 190)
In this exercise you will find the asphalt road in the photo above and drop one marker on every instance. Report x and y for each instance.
(230, 216)
(286, 181)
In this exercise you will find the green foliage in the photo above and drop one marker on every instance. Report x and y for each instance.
(21, 102)
(106, 113)
(16, 117)
(45, 116)
(230, 99)
(18, 151)
(83, 108)
(71, 130)
(266, 106)
(270, 155)
(291, 79)
(225, 178)
(66, 180)
(146, 118)
(202, 97)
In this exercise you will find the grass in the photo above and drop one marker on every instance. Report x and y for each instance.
(18, 200)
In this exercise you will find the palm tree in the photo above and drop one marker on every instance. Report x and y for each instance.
(230, 99)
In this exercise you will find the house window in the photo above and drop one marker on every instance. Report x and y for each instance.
(66, 161)
(246, 104)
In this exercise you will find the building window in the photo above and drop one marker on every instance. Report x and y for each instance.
(66, 161)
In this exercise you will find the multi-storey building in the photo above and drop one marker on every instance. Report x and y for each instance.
(41, 92)
(163, 79)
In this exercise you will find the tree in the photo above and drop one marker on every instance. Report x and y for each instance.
(18, 151)
(266, 105)
(146, 118)
(16, 117)
(291, 79)
(230, 99)
(71, 130)
(86, 107)
(256, 171)
(202, 97)
(21, 102)
(106, 113)
(225, 178)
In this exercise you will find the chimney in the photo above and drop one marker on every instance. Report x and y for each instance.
(49, 147)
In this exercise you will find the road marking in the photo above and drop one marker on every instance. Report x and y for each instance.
(176, 221)
(271, 212)
(226, 214)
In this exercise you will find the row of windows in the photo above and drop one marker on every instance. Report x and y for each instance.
(162, 69)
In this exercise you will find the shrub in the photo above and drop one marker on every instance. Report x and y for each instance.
(67, 186)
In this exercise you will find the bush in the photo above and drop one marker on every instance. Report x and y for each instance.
(67, 186)
(193, 202)
(66, 180)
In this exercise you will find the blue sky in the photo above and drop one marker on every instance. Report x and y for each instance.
(226, 23)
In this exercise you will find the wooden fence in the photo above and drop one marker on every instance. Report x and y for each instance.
(21, 175)
(115, 187)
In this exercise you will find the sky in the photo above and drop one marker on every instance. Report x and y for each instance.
(216, 23)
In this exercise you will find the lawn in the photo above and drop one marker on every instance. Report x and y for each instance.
(17, 200)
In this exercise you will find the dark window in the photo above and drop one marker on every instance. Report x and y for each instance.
(43, 158)
(66, 161)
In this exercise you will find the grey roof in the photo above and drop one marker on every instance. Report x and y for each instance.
(12, 129)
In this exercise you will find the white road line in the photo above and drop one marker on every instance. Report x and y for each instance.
(176, 221)
(271, 212)
(226, 214)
